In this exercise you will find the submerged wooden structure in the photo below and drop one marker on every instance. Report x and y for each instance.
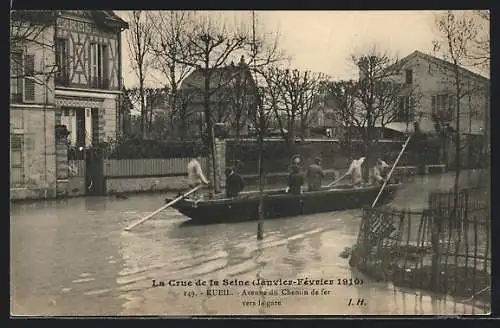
(438, 249)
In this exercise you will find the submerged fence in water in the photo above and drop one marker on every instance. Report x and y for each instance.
(438, 249)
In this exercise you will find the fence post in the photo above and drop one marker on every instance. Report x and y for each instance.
(436, 261)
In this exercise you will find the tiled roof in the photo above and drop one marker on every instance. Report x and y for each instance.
(219, 77)
(109, 18)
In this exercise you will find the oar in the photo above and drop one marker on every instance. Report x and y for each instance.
(338, 180)
(390, 172)
(163, 207)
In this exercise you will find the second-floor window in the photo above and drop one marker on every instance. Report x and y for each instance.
(99, 66)
(409, 76)
(406, 109)
(22, 77)
(62, 58)
(443, 107)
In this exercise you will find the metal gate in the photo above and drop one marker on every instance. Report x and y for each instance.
(95, 182)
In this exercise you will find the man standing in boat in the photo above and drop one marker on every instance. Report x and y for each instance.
(314, 175)
(234, 183)
(295, 181)
(195, 174)
(355, 172)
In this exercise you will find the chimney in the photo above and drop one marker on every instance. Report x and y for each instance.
(242, 61)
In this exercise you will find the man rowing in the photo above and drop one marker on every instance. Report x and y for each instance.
(314, 175)
(195, 175)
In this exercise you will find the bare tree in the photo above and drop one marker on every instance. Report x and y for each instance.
(479, 53)
(458, 36)
(295, 94)
(373, 100)
(343, 95)
(140, 51)
(27, 29)
(210, 45)
(171, 36)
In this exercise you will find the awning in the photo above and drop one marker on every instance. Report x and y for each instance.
(426, 126)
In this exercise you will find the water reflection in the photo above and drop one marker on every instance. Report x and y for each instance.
(73, 257)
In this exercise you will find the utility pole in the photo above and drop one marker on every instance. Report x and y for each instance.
(260, 135)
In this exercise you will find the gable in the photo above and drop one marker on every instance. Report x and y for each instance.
(441, 63)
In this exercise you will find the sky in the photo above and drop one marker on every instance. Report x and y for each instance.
(323, 41)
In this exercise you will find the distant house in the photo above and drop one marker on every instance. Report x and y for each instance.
(436, 95)
(436, 102)
(232, 100)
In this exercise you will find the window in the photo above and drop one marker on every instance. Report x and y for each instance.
(29, 78)
(62, 76)
(16, 160)
(443, 107)
(22, 81)
(406, 109)
(16, 77)
(99, 66)
(409, 76)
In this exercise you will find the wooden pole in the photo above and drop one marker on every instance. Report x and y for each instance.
(163, 207)
(337, 181)
(392, 169)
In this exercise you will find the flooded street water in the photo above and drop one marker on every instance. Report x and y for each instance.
(72, 257)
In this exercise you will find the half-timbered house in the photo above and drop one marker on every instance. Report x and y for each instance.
(65, 71)
(88, 81)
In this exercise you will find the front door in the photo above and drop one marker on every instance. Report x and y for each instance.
(95, 181)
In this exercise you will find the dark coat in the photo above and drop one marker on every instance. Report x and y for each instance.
(295, 181)
(314, 175)
(234, 184)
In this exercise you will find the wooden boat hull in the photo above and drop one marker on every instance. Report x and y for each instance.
(279, 204)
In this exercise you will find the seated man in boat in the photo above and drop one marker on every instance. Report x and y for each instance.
(234, 183)
(355, 172)
(314, 175)
(195, 175)
(295, 181)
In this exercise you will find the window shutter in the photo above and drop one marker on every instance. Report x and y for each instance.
(433, 106)
(29, 77)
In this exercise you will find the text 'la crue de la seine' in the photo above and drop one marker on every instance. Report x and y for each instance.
(257, 282)
(255, 287)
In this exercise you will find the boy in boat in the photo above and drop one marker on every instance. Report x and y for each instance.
(314, 175)
(195, 175)
(355, 172)
(234, 183)
(295, 181)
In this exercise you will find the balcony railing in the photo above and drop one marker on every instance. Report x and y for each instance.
(99, 83)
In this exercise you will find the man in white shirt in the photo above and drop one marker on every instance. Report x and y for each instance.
(355, 171)
(195, 174)
(377, 173)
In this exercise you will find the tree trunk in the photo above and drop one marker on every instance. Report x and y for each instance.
(260, 226)
(143, 105)
(210, 136)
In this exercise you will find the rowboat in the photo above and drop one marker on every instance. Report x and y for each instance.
(278, 203)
